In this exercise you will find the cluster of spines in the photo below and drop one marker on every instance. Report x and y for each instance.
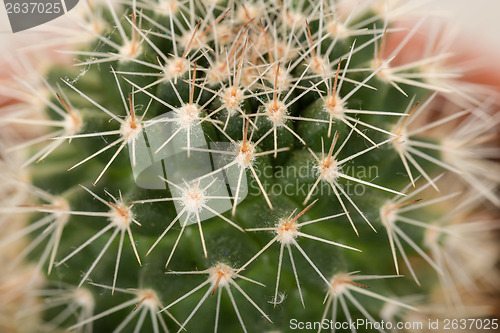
(272, 60)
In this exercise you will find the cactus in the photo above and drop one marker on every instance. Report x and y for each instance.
(274, 165)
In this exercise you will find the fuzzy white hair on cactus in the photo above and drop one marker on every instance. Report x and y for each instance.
(120, 218)
(187, 118)
(193, 200)
(53, 226)
(329, 170)
(71, 302)
(146, 302)
(287, 231)
(128, 51)
(391, 216)
(344, 286)
(406, 145)
(129, 128)
(220, 276)
(70, 124)
(244, 159)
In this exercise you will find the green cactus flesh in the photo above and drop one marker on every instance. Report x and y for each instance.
(339, 178)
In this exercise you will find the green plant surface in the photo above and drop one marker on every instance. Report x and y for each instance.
(343, 200)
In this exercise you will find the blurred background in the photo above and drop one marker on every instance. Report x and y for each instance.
(478, 20)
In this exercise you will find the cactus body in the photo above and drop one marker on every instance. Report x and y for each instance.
(251, 165)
